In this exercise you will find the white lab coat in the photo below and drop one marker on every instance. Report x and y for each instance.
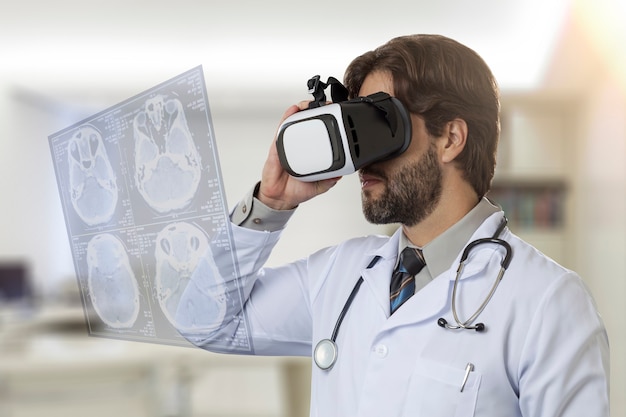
(544, 351)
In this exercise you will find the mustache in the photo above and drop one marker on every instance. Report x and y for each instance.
(373, 171)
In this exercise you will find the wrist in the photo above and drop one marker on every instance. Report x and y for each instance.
(273, 203)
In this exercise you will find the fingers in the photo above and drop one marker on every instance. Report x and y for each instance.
(325, 185)
(303, 105)
(278, 189)
(291, 110)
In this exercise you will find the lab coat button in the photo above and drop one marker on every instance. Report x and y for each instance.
(381, 351)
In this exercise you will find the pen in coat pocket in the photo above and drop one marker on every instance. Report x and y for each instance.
(469, 368)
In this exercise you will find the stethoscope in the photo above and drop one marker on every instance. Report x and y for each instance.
(326, 352)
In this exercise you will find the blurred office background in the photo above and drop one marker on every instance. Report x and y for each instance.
(561, 172)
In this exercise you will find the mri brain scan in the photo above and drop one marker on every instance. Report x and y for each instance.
(93, 188)
(147, 218)
(181, 248)
(112, 284)
(167, 164)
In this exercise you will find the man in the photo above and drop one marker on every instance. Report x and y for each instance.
(541, 348)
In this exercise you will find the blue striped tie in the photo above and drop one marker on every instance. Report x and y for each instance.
(402, 285)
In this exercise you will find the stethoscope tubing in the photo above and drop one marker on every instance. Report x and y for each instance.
(326, 352)
(503, 266)
(355, 290)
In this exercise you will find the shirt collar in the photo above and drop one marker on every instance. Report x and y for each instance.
(441, 252)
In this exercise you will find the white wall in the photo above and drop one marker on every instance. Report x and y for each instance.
(31, 223)
(601, 224)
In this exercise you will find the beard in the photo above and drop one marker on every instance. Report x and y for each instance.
(410, 195)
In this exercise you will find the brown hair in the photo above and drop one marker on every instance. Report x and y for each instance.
(441, 80)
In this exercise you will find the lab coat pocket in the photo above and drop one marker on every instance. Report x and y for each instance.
(435, 391)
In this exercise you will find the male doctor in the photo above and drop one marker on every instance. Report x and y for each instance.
(543, 350)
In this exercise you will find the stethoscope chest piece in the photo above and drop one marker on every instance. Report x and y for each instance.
(325, 354)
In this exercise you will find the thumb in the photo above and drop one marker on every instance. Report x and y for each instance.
(325, 185)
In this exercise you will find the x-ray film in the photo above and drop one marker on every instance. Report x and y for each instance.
(146, 215)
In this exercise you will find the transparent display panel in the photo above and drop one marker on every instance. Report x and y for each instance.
(146, 215)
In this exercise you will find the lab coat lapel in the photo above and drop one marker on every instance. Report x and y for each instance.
(378, 277)
(435, 298)
(479, 257)
(426, 304)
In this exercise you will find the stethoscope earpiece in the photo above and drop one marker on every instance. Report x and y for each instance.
(479, 327)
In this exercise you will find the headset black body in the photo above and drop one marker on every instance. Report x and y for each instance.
(331, 140)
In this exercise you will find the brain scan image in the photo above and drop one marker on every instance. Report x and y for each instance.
(181, 249)
(93, 188)
(147, 218)
(167, 164)
(112, 284)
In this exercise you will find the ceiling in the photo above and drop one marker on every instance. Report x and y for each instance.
(254, 50)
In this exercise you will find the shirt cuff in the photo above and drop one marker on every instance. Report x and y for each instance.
(251, 213)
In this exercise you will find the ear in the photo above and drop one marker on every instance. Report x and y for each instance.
(456, 135)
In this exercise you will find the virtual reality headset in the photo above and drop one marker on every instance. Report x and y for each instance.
(331, 140)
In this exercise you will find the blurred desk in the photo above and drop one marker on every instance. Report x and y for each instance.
(50, 366)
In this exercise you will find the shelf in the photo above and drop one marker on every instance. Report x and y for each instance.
(531, 204)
